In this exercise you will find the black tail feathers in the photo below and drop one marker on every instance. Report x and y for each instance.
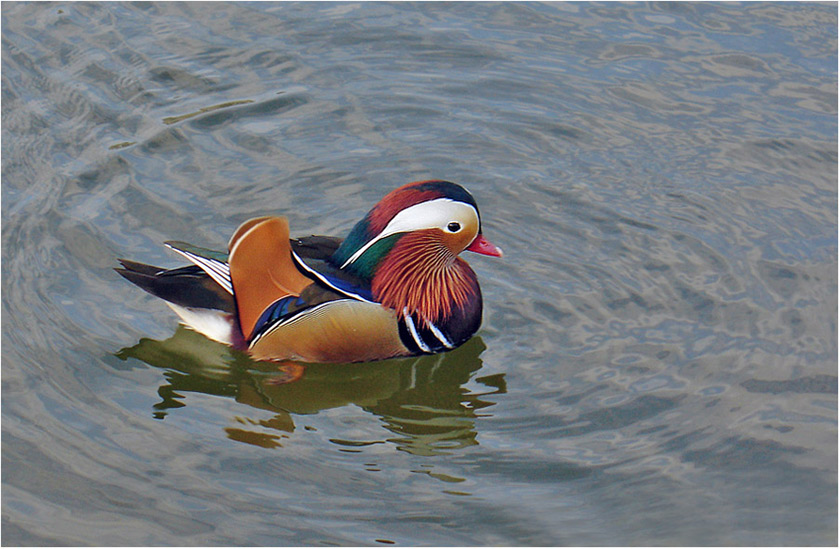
(186, 286)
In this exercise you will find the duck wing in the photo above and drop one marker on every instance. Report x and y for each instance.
(188, 286)
(290, 300)
(313, 256)
(262, 270)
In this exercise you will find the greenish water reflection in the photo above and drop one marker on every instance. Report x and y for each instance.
(422, 401)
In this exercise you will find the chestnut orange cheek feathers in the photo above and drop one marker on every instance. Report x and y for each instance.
(484, 247)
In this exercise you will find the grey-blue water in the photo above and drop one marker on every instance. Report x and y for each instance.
(658, 359)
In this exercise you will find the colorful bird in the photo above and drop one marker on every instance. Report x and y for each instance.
(394, 287)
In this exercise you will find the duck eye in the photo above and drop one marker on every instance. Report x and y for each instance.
(454, 227)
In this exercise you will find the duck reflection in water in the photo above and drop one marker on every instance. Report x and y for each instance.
(420, 400)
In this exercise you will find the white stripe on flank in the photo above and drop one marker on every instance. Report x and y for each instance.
(292, 319)
(409, 322)
(438, 334)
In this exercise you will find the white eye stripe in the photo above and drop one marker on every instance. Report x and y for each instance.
(432, 214)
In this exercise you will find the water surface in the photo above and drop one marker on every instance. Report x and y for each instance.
(658, 359)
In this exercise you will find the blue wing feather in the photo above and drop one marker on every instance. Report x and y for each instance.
(334, 278)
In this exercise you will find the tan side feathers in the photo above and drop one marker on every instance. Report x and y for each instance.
(344, 330)
(261, 268)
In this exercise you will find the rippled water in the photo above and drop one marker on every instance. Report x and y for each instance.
(658, 359)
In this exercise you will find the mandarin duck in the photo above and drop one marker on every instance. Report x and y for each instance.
(394, 286)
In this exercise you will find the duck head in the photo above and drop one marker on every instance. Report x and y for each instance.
(407, 247)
